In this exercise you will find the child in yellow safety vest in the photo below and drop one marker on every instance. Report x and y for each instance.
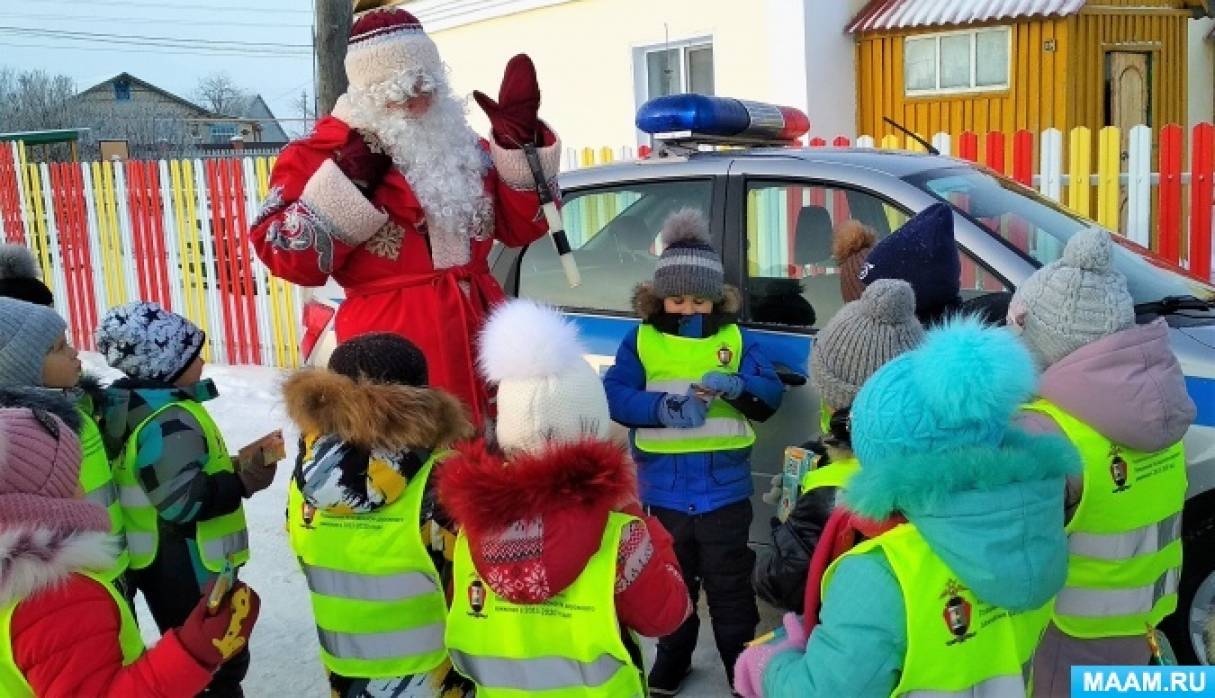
(180, 488)
(364, 521)
(953, 598)
(688, 383)
(65, 630)
(1116, 390)
(859, 340)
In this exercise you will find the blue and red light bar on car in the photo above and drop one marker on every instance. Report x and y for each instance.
(685, 115)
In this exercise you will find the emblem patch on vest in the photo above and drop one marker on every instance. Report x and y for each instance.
(1118, 470)
(725, 355)
(957, 613)
(476, 598)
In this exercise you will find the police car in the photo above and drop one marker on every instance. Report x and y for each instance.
(772, 210)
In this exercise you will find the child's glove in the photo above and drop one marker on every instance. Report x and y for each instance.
(214, 639)
(729, 385)
(254, 475)
(751, 664)
(682, 411)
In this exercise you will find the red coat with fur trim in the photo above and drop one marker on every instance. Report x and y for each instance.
(565, 495)
(315, 224)
(65, 626)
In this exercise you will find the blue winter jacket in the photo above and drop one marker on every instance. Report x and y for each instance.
(1001, 532)
(693, 483)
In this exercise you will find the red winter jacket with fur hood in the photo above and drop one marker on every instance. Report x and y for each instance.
(534, 520)
(65, 627)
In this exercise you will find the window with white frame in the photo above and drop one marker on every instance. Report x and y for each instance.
(686, 67)
(966, 61)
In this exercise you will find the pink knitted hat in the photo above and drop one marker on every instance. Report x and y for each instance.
(40, 474)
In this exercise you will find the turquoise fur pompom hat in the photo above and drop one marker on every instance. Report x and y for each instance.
(959, 390)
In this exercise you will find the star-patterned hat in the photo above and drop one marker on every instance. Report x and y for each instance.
(145, 341)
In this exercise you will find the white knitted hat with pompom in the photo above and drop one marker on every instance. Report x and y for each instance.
(547, 392)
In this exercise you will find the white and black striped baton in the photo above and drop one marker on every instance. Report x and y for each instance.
(552, 214)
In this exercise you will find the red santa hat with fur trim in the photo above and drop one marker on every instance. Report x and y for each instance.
(388, 43)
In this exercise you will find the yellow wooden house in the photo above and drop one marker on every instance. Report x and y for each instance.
(954, 65)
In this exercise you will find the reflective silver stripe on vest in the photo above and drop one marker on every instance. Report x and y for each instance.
(542, 674)
(387, 645)
(368, 587)
(133, 497)
(997, 687)
(103, 495)
(712, 428)
(1084, 602)
(678, 387)
(221, 548)
(1117, 547)
(140, 543)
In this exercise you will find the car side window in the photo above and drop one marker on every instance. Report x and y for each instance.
(792, 276)
(613, 232)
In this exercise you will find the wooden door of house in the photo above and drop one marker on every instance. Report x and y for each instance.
(1128, 99)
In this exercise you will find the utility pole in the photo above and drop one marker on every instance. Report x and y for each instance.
(332, 30)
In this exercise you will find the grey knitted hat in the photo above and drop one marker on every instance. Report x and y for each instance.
(689, 265)
(27, 333)
(861, 338)
(1073, 301)
(145, 341)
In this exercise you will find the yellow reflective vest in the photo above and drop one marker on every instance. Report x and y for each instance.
(569, 646)
(376, 596)
(1124, 539)
(97, 484)
(218, 538)
(957, 644)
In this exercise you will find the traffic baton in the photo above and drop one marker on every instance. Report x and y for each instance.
(556, 228)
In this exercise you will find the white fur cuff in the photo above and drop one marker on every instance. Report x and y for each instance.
(352, 218)
(512, 164)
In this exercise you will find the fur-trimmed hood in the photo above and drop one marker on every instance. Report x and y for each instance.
(993, 514)
(34, 558)
(373, 415)
(544, 512)
(648, 304)
(47, 400)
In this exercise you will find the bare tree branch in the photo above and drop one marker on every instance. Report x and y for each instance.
(219, 93)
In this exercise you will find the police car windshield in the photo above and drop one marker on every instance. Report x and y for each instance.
(1039, 229)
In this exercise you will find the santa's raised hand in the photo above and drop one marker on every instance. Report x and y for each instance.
(514, 118)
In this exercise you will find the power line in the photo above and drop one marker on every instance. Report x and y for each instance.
(128, 38)
(165, 6)
(112, 49)
(149, 20)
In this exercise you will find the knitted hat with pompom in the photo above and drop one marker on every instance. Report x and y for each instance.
(20, 277)
(689, 265)
(544, 397)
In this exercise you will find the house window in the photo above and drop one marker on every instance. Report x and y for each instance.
(681, 68)
(122, 91)
(968, 61)
(222, 133)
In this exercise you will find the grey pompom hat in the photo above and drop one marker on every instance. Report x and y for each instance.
(1073, 301)
(861, 338)
(688, 265)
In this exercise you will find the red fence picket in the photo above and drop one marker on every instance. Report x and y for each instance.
(817, 142)
(147, 232)
(244, 257)
(995, 151)
(1202, 169)
(1023, 157)
(1168, 244)
(968, 146)
(218, 223)
(69, 264)
(842, 142)
(10, 198)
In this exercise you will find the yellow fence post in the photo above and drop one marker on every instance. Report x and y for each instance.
(891, 142)
(1109, 167)
(1080, 169)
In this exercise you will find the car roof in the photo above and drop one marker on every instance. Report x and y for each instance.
(892, 163)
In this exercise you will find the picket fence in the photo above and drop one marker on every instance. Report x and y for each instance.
(177, 231)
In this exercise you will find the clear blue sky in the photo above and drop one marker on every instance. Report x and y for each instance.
(46, 25)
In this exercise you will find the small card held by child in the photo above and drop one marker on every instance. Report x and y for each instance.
(797, 462)
(271, 446)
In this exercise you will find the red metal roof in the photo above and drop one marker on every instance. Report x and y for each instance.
(884, 15)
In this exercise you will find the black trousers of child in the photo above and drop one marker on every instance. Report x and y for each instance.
(171, 591)
(713, 553)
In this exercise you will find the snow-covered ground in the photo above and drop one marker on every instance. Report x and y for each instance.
(284, 646)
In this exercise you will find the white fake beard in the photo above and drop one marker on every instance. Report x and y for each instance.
(439, 155)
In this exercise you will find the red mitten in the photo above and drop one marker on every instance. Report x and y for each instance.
(515, 116)
(214, 639)
(366, 169)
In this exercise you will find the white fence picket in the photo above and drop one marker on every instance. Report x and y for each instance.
(54, 251)
(943, 142)
(214, 311)
(1139, 186)
(100, 287)
(1051, 161)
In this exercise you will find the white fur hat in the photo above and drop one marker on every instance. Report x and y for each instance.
(389, 44)
(547, 392)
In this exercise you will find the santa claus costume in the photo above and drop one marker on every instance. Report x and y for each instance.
(399, 200)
